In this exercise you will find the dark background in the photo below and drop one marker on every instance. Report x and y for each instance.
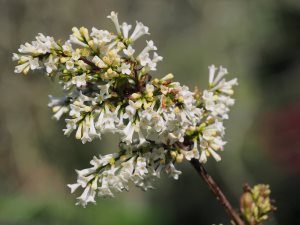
(259, 42)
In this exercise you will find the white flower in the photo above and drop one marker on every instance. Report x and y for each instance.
(78, 36)
(67, 47)
(156, 58)
(74, 187)
(101, 36)
(214, 154)
(80, 80)
(69, 64)
(23, 68)
(226, 100)
(212, 70)
(51, 64)
(149, 47)
(76, 55)
(71, 125)
(41, 45)
(142, 139)
(225, 87)
(192, 154)
(128, 132)
(78, 134)
(15, 57)
(218, 83)
(104, 92)
(59, 111)
(141, 166)
(139, 31)
(127, 170)
(34, 64)
(126, 28)
(144, 59)
(56, 101)
(105, 191)
(125, 68)
(82, 65)
(92, 130)
(99, 62)
(86, 130)
(203, 157)
(107, 120)
(149, 88)
(132, 108)
(87, 196)
(114, 17)
(172, 171)
(207, 150)
(152, 65)
(28, 62)
(27, 48)
(129, 51)
(76, 109)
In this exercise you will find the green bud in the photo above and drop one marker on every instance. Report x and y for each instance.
(255, 204)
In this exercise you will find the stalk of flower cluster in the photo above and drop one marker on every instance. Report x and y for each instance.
(212, 185)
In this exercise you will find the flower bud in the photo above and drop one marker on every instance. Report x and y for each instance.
(180, 99)
(179, 158)
(135, 96)
(173, 154)
(168, 77)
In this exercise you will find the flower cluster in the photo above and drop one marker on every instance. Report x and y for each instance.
(256, 204)
(111, 173)
(108, 88)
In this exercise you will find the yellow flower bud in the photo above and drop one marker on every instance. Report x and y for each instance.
(135, 96)
(111, 161)
(138, 104)
(123, 158)
(173, 154)
(79, 132)
(176, 110)
(76, 33)
(179, 158)
(180, 99)
(85, 33)
(87, 109)
(155, 81)
(26, 70)
(109, 71)
(64, 59)
(106, 60)
(149, 94)
(168, 77)
(146, 105)
(55, 108)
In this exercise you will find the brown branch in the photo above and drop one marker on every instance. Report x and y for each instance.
(217, 192)
(91, 64)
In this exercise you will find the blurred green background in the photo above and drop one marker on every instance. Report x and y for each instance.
(259, 42)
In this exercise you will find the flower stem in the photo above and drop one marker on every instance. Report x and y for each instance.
(212, 185)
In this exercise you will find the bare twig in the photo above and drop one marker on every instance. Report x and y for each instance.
(217, 192)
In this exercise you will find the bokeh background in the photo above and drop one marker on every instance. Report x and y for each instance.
(259, 42)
